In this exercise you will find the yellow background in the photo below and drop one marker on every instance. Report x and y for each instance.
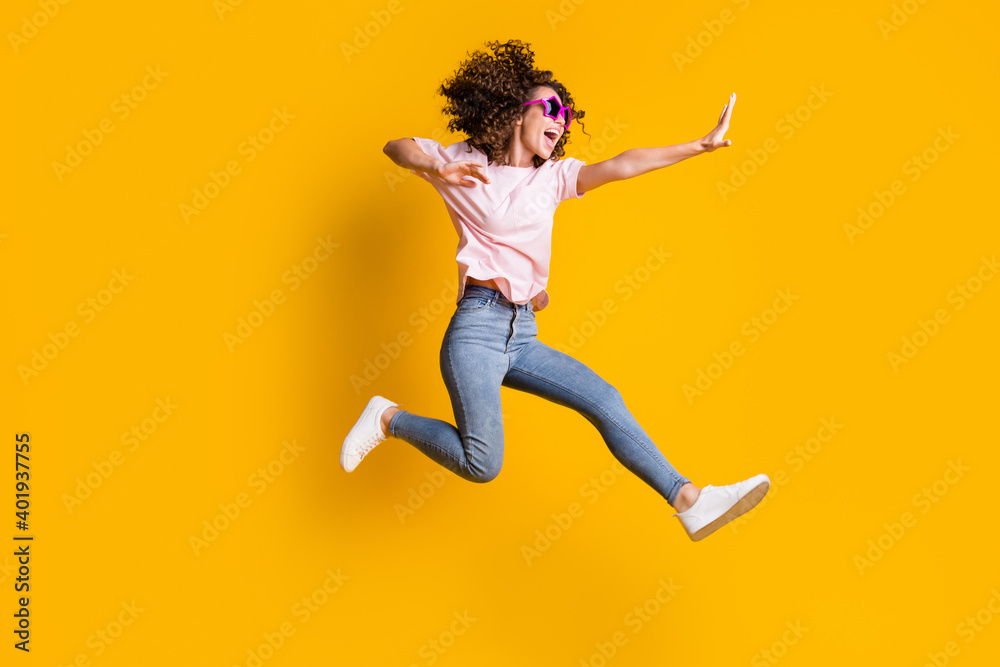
(324, 176)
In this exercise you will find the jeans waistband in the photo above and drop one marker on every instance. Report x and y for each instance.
(495, 296)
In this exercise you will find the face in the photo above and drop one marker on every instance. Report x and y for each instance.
(539, 133)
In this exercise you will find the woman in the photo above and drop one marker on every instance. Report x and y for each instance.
(518, 120)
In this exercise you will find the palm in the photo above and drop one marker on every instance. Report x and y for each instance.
(716, 138)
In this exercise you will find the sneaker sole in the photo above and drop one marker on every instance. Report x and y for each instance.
(742, 506)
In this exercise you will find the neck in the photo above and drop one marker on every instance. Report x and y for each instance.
(517, 154)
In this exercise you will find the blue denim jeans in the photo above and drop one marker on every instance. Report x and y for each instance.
(491, 341)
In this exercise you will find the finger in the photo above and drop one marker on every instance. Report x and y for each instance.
(479, 173)
(726, 111)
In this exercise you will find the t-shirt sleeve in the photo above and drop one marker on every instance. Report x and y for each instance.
(433, 149)
(567, 169)
(459, 150)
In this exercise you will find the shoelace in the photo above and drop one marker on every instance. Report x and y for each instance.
(369, 444)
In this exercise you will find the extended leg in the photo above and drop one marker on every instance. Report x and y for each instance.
(558, 377)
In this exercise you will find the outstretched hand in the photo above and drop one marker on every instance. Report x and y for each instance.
(455, 173)
(715, 138)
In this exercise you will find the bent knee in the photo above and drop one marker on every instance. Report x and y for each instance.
(484, 473)
(483, 457)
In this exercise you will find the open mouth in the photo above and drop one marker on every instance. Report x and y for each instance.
(552, 136)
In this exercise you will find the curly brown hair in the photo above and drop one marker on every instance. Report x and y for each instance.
(487, 93)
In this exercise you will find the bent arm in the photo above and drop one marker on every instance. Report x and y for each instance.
(407, 154)
(635, 162)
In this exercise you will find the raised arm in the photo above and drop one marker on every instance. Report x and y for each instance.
(636, 161)
(407, 154)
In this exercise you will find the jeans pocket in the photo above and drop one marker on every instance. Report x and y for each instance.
(472, 302)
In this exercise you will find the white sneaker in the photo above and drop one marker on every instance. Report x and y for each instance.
(365, 434)
(718, 505)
